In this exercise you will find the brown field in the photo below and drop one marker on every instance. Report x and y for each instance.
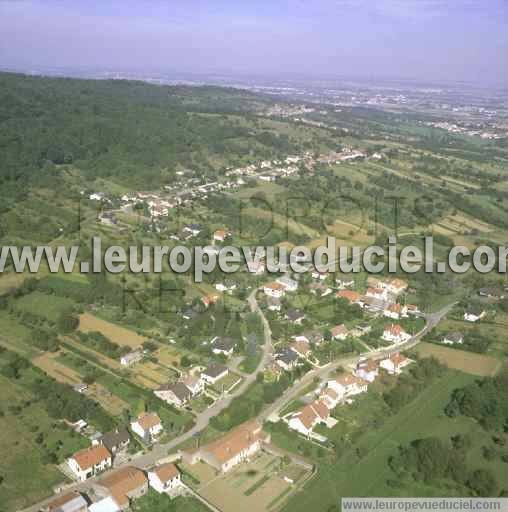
(468, 362)
(227, 492)
(150, 375)
(61, 373)
(119, 335)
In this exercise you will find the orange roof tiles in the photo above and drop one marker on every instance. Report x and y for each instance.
(148, 420)
(166, 472)
(91, 456)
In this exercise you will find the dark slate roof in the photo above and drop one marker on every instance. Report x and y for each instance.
(287, 356)
(114, 438)
(224, 343)
(214, 370)
(181, 391)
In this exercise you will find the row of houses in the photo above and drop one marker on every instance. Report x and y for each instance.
(340, 390)
(116, 492)
(92, 461)
(181, 392)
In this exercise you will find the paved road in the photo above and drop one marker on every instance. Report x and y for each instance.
(161, 451)
(293, 392)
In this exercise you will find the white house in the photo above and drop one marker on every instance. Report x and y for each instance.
(473, 315)
(194, 384)
(164, 478)
(68, 502)
(220, 235)
(344, 282)
(348, 385)
(223, 346)
(339, 332)
(148, 426)
(273, 304)
(395, 311)
(396, 285)
(377, 293)
(305, 419)
(452, 338)
(214, 373)
(395, 334)
(275, 290)
(107, 504)
(330, 398)
(395, 363)
(90, 462)
(367, 369)
(290, 285)
(177, 394)
(131, 358)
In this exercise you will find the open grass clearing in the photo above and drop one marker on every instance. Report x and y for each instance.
(468, 362)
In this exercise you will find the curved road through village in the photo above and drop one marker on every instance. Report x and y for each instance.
(160, 451)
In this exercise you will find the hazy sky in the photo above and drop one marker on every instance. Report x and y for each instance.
(420, 39)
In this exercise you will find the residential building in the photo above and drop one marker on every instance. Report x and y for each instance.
(148, 426)
(301, 348)
(350, 295)
(367, 369)
(344, 282)
(273, 304)
(295, 316)
(214, 372)
(290, 285)
(90, 462)
(395, 363)
(233, 448)
(339, 332)
(116, 440)
(412, 309)
(377, 293)
(274, 289)
(453, 338)
(124, 485)
(107, 504)
(395, 311)
(287, 359)
(396, 285)
(68, 502)
(220, 235)
(347, 385)
(223, 345)
(474, 315)
(314, 336)
(177, 393)
(394, 333)
(194, 384)
(131, 358)
(305, 419)
(330, 398)
(164, 478)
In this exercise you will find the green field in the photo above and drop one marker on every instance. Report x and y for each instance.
(46, 306)
(368, 475)
(28, 437)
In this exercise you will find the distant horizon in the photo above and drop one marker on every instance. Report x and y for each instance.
(424, 41)
(216, 77)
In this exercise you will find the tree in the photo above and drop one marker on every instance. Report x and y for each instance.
(483, 483)
(67, 322)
